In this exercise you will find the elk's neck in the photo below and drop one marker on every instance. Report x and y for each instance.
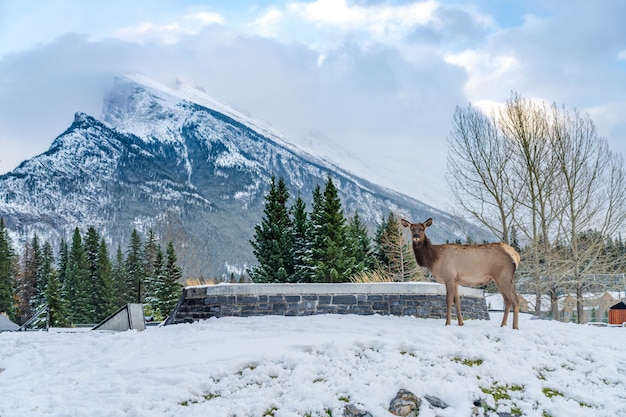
(425, 253)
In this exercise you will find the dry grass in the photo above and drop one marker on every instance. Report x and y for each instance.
(380, 276)
(192, 282)
(370, 277)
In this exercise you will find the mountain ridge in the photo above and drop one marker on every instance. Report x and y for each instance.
(196, 175)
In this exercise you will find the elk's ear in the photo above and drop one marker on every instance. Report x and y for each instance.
(405, 223)
(428, 223)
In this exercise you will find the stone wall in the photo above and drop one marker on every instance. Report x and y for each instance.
(425, 300)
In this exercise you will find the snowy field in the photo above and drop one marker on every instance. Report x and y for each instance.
(314, 366)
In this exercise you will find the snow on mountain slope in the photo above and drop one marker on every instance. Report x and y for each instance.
(127, 116)
(197, 175)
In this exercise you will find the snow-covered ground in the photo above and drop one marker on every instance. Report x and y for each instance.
(313, 366)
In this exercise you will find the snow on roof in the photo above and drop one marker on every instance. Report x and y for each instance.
(6, 325)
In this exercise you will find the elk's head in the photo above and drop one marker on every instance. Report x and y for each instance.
(418, 230)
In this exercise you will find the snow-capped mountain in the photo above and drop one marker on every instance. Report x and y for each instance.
(191, 168)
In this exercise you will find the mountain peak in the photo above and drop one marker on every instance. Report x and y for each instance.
(185, 165)
(80, 117)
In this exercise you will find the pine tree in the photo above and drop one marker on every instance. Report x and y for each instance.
(26, 282)
(149, 261)
(47, 268)
(169, 288)
(77, 286)
(63, 261)
(152, 297)
(7, 272)
(394, 257)
(57, 307)
(91, 248)
(105, 299)
(119, 279)
(135, 274)
(329, 257)
(273, 242)
(359, 246)
(36, 263)
(301, 242)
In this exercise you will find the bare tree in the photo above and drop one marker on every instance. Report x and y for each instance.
(540, 170)
(524, 125)
(479, 162)
(591, 193)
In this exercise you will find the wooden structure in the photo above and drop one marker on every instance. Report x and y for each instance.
(617, 313)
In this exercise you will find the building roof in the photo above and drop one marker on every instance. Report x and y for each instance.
(6, 325)
(618, 306)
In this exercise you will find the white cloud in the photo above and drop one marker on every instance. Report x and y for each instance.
(486, 71)
(380, 21)
(168, 33)
(375, 76)
(206, 18)
(268, 25)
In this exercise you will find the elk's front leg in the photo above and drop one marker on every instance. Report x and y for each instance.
(450, 296)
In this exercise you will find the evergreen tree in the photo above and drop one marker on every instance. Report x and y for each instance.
(169, 288)
(158, 278)
(7, 272)
(119, 279)
(394, 256)
(135, 274)
(105, 295)
(315, 232)
(63, 261)
(149, 261)
(329, 240)
(380, 253)
(273, 242)
(91, 248)
(26, 282)
(301, 242)
(77, 289)
(47, 268)
(359, 247)
(36, 263)
(57, 307)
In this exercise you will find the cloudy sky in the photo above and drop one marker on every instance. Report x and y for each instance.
(381, 79)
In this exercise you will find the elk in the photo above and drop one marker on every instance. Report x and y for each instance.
(471, 265)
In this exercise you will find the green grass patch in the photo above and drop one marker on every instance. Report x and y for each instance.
(549, 392)
(270, 412)
(468, 362)
(501, 393)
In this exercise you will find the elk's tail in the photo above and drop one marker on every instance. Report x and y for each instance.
(513, 254)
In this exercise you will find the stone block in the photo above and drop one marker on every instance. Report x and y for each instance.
(344, 299)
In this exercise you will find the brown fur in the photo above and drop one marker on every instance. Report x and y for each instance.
(471, 265)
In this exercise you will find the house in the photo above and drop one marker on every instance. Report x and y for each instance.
(595, 308)
(617, 313)
(496, 303)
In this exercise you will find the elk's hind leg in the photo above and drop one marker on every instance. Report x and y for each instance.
(457, 304)
(507, 307)
(507, 290)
